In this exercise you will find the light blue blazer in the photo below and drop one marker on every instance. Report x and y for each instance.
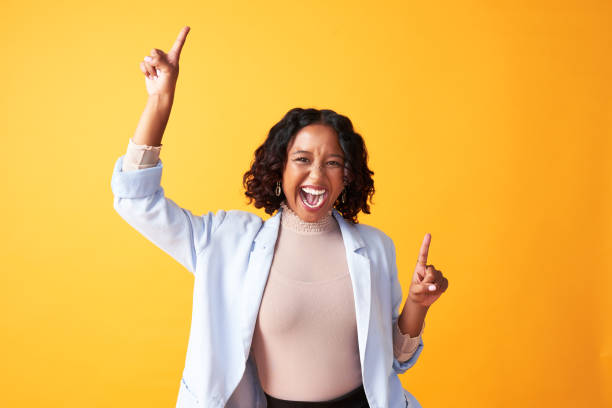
(230, 253)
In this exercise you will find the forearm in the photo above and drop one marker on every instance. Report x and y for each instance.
(412, 317)
(152, 124)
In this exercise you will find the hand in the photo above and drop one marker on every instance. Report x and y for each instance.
(424, 277)
(161, 69)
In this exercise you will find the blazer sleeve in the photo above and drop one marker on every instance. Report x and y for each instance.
(140, 200)
(400, 367)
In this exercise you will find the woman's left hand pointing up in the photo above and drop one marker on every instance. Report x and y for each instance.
(428, 283)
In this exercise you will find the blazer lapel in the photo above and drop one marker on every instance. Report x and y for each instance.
(260, 260)
(359, 269)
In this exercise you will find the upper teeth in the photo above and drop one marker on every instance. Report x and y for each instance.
(313, 191)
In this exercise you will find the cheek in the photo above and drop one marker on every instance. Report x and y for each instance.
(293, 175)
(339, 178)
(290, 181)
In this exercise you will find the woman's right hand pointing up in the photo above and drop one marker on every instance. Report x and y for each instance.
(161, 69)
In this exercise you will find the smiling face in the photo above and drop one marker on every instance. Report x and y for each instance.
(313, 174)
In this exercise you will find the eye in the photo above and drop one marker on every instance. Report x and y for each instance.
(301, 159)
(334, 163)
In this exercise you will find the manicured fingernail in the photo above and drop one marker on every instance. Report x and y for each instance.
(158, 71)
(147, 58)
(432, 287)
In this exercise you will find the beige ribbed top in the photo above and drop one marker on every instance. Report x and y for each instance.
(305, 340)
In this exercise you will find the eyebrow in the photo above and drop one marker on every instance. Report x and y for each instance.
(304, 151)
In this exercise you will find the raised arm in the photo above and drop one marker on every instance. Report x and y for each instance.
(161, 73)
(139, 197)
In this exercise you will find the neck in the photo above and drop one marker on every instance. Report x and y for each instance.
(290, 220)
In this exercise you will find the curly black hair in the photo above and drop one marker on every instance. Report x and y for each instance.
(271, 157)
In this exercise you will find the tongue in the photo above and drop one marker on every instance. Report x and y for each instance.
(311, 198)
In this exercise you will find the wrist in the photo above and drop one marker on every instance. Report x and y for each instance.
(412, 317)
(416, 307)
(161, 100)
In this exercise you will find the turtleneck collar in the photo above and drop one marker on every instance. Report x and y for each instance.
(292, 221)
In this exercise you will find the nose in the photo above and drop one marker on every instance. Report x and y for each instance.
(316, 172)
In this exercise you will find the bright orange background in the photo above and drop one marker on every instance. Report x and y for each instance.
(488, 125)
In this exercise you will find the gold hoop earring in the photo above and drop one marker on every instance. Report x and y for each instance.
(344, 196)
(278, 189)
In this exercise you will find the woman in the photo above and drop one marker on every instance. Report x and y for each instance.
(300, 310)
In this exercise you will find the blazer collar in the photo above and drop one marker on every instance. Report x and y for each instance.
(352, 238)
(268, 234)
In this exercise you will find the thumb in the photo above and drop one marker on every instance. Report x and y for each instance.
(429, 281)
(424, 288)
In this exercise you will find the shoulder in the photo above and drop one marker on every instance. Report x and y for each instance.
(239, 220)
(379, 246)
(373, 235)
(245, 217)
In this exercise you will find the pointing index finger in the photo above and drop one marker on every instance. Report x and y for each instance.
(422, 260)
(180, 40)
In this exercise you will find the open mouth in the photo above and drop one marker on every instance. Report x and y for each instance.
(313, 198)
